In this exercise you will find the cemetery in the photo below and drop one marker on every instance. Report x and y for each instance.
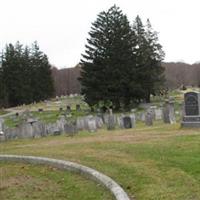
(129, 147)
(120, 123)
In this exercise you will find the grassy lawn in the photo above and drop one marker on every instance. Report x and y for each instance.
(151, 163)
(23, 181)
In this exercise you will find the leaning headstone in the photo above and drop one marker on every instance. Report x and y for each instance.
(169, 113)
(127, 122)
(149, 119)
(191, 112)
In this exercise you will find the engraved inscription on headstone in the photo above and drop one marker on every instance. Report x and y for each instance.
(191, 113)
(191, 103)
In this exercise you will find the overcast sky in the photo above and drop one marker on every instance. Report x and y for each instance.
(61, 26)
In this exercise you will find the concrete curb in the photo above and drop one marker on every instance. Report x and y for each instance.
(106, 181)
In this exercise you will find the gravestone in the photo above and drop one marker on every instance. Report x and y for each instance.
(68, 109)
(40, 110)
(2, 134)
(149, 119)
(191, 113)
(99, 122)
(78, 108)
(92, 124)
(80, 123)
(120, 121)
(127, 122)
(169, 113)
(70, 128)
(111, 122)
(158, 114)
(133, 119)
(1, 124)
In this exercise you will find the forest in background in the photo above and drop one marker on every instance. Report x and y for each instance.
(176, 74)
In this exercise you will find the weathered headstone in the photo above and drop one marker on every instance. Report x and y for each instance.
(2, 134)
(158, 114)
(78, 107)
(191, 112)
(169, 113)
(68, 109)
(92, 125)
(70, 128)
(133, 119)
(120, 121)
(80, 123)
(149, 119)
(111, 122)
(99, 122)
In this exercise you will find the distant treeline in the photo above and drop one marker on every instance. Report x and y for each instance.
(177, 75)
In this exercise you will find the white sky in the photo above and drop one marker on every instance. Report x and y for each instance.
(61, 26)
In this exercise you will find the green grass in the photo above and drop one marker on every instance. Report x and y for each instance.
(24, 181)
(150, 163)
(2, 112)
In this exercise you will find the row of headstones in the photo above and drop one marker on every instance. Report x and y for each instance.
(68, 109)
(33, 128)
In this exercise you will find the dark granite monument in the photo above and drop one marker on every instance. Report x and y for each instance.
(191, 112)
(127, 122)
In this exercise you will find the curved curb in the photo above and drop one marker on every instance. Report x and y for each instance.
(110, 184)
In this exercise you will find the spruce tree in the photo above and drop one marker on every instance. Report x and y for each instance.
(41, 79)
(149, 55)
(108, 63)
(25, 74)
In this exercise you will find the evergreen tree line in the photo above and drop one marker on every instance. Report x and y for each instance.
(25, 75)
(122, 61)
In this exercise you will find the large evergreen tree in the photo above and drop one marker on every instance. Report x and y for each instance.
(108, 63)
(149, 55)
(25, 75)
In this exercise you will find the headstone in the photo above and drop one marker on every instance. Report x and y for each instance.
(169, 113)
(70, 128)
(191, 111)
(61, 123)
(127, 122)
(111, 122)
(78, 108)
(80, 123)
(68, 109)
(40, 110)
(92, 125)
(158, 114)
(133, 119)
(149, 119)
(1, 124)
(120, 121)
(99, 122)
